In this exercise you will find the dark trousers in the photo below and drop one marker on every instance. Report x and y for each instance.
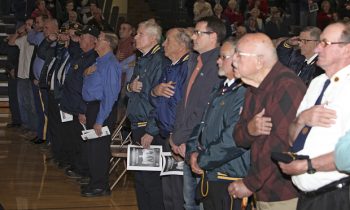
(55, 128)
(173, 197)
(148, 183)
(337, 199)
(98, 150)
(75, 149)
(219, 199)
(13, 101)
(40, 101)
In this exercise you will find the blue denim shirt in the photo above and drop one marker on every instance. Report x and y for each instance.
(35, 38)
(103, 84)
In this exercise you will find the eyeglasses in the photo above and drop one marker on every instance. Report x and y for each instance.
(324, 43)
(304, 41)
(239, 54)
(224, 57)
(199, 33)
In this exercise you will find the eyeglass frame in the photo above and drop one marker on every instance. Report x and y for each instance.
(199, 33)
(304, 41)
(323, 43)
(225, 57)
(240, 54)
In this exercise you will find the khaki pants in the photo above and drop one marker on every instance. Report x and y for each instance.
(278, 205)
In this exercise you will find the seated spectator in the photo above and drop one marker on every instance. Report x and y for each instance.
(89, 15)
(262, 5)
(324, 17)
(98, 21)
(255, 13)
(218, 13)
(72, 18)
(201, 9)
(40, 10)
(252, 25)
(276, 25)
(240, 31)
(232, 14)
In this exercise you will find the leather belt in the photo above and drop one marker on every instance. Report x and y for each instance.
(342, 183)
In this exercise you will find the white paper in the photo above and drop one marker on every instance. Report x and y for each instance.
(141, 159)
(65, 117)
(91, 134)
(170, 166)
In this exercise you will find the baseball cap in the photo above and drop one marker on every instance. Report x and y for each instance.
(89, 29)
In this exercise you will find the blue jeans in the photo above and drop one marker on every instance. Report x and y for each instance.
(26, 104)
(189, 189)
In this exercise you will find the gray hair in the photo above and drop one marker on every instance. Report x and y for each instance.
(152, 29)
(112, 39)
(314, 31)
(183, 37)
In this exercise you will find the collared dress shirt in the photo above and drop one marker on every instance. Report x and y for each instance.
(103, 84)
(322, 140)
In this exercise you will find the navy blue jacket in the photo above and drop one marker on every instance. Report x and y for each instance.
(165, 108)
(72, 101)
(293, 59)
(148, 68)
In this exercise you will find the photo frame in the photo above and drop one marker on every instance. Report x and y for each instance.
(171, 166)
(140, 159)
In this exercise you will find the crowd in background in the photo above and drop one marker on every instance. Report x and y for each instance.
(222, 94)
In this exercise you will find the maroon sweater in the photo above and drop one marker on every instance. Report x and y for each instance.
(280, 93)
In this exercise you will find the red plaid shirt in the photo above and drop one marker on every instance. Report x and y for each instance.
(280, 94)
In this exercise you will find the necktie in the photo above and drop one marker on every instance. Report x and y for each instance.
(301, 138)
(193, 77)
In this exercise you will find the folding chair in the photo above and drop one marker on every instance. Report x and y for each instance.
(119, 147)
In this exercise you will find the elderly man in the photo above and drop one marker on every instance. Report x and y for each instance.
(202, 76)
(303, 61)
(101, 87)
(36, 37)
(166, 95)
(146, 76)
(270, 105)
(211, 149)
(322, 119)
(72, 103)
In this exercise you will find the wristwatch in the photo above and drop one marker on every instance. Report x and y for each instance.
(310, 168)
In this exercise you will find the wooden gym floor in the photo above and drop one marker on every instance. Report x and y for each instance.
(28, 181)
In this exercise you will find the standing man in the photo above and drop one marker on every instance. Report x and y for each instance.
(146, 76)
(270, 105)
(302, 61)
(101, 87)
(166, 95)
(202, 76)
(72, 103)
(212, 150)
(322, 119)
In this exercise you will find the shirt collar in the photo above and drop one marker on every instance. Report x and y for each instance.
(229, 82)
(105, 57)
(311, 60)
(182, 59)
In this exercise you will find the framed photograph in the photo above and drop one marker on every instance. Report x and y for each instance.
(171, 166)
(313, 7)
(140, 159)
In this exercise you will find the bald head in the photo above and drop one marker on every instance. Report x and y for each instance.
(254, 58)
(260, 44)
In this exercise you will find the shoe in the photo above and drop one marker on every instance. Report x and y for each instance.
(72, 174)
(13, 125)
(34, 139)
(38, 141)
(62, 165)
(88, 192)
(84, 181)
